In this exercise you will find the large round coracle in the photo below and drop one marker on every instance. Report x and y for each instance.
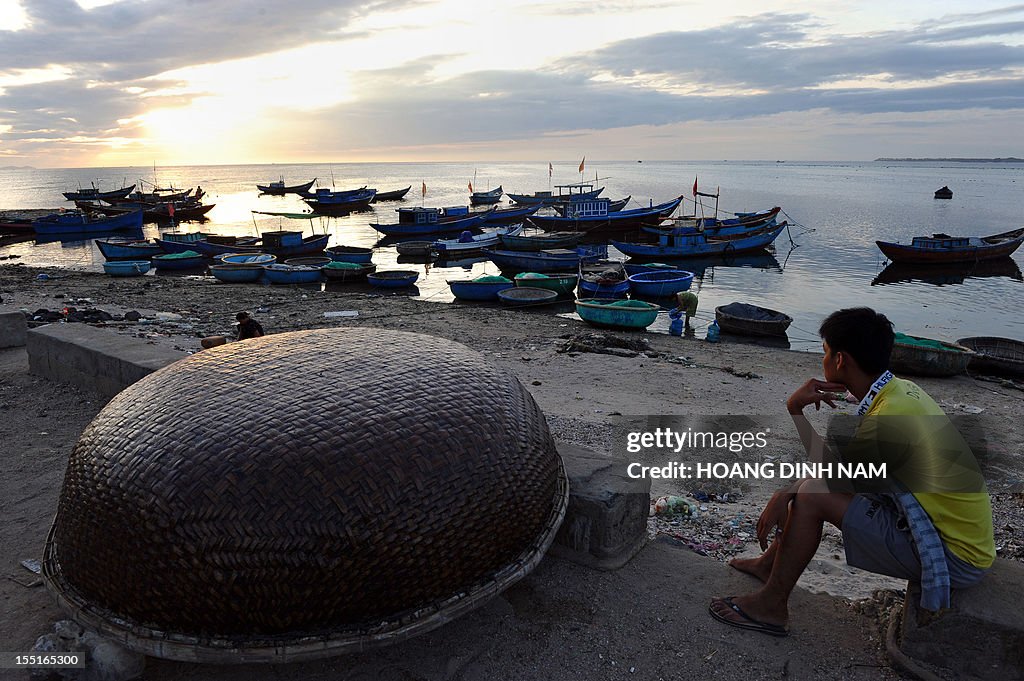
(304, 493)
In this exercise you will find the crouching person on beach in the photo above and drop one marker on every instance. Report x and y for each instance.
(933, 522)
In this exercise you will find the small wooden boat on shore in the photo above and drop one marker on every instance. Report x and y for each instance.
(526, 295)
(126, 268)
(943, 248)
(394, 195)
(393, 278)
(280, 189)
(486, 198)
(630, 315)
(660, 283)
(745, 319)
(340, 271)
(562, 283)
(920, 356)
(479, 289)
(999, 356)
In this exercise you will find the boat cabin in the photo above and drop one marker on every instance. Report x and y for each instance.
(281, 239)
(567, 192)
(941, 241)
(419, 215)
(588, 208)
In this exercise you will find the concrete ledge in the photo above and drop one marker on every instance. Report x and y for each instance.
(981, 635)
(93, 358)
(606, 522)
(13, 327)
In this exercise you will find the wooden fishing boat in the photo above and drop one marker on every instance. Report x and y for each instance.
(608, 282)
(690, 245)
(592, 216)
(393, 195)
(154, 212)
(540, 242)
(486, 198)
(80, 222)
(188, 260)
(744, 224)
(237, 273)
(481, 288)
(549, 260)
(356, 254)
(178, 242)
(613, 206)
(94, 194)
(999, 356)
(420, 221)
(468, 242)
(340, 271)
(745, 319)
(944, 193)
(329, 202)
(279, 273)
(280, 189)
(942, 248)
(526, 295)
(128, 249)
(16, 225)
(509, 216)
(631, 315)
(416, 248)
(566, 192)
(562, 283)
(660, 283)
(920, 356)
(126, 268)
(393, 278)
(281, 244)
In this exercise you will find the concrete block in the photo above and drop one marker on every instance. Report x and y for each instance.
(981, 635)
(606, 521)
(13, 327)
(93, 358)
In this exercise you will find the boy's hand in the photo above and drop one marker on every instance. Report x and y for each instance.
(814, 392)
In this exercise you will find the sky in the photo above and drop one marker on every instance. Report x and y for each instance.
(131, 82)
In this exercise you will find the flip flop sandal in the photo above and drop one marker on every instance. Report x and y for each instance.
(748, 622)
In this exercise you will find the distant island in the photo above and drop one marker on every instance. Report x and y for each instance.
(1011, 159)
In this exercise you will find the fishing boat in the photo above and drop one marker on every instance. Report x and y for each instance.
(419, 221)
(237, 273)
(415, 248)
(128, 249)
(468, 242)
(921, 356)
(744, 319)
(690, 245)
(549, 260)
(178, 242)
(943, 248)
(480, 288)
(509, 216)
(330, 202)
(394, 195)
(282, 244)
(355, 254)
(339, 271)
(154, 212)
(944, 193)
(609, 281)
(126, 268)
(94, 194)
(744, 223)
(660, 283)
(631, 315)
(280, 273)
(393, 278)
(258, 259)
(540, 242)
(486, 198)
(280, 189)
(562, 283)
(80, 222)
(188, 260)
(526, 295)
(999, 356)
(16, 225)
(613, 206)
(566, 192)
(592, 216)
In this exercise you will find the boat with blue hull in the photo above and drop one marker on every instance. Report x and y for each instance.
(695, 245)
(393, 195)
(613, 206)
(234, 273)
(603, 289)
(661, 283)
(593, 217)
(479, 289)
(509, 216)
(189, 260)
(720, 229)
(393, 278)
(551, 260)
(258, 259)
(179, 242)
(328, 202)
(126, 268)
(128, 249)
(419, 221)
(289, 246)
(540, 242)
(279, 273)
(94, 194)
(356, 254)
(80, 222)
(632, 315)
(469, 242)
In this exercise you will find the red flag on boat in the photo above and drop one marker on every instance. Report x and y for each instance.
(170, 209)
(550, 169)
(695, 185)
(424, 190)
(581, 164)
(470, 187)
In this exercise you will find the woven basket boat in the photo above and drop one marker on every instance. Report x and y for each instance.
(347, 274)
(948, 360)
(1000, 356)
(373, 495)
(751, 320)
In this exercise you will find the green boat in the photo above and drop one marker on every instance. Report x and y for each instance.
(617, 314)
(561, 283)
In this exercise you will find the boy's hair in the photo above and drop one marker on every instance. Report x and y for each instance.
(243, 315)
(863, 334)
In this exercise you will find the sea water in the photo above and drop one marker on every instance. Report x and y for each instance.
(827, 259)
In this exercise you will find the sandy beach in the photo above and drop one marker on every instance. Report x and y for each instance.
(580, 393)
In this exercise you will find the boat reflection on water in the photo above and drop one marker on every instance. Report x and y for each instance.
(780, 342)
(704, 268)
(943, 275)
(466, 262)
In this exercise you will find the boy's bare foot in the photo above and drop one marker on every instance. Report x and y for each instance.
(757, 567)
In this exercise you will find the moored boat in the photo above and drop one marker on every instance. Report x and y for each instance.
(94, 194)
(415, 248)
(921, 356)
(526, 295)
(540, 242)
(944, 193)
(126, 268)
(566, 192)
(355, 254)
(279, 273)
(420, 221)
(330, 202)
(468, 241)
(509, 216)
(393, 195)
(479, 289)
(633, 315)
(690, 245)
(279, 188)
(999, 356)
(188, 260)
(310, 261)
(745, 319)
(128, 249)
(566, 208)
(486, 198)
(237, 273)
(80, 222)
(660, 283)
(549, 260)
(339, 271)
(393, 278)
(258, 259)
(592, 216)
(281, 244)
(562, 283)
(943, 248)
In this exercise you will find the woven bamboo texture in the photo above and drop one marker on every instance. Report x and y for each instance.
(349, 485)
